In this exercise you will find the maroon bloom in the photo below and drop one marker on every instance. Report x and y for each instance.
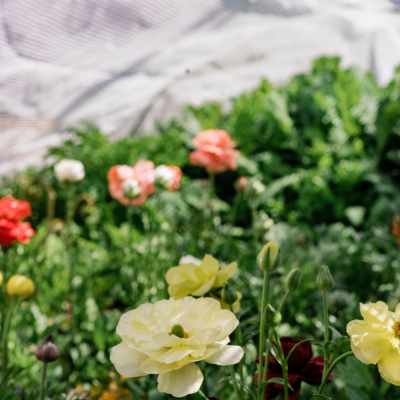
(302, 367)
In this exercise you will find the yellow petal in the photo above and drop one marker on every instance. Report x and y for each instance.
(227, 355)
(368, 342)
(224, 274)
(377, 313)
(127, 361)
(181, 382)
(389, 367)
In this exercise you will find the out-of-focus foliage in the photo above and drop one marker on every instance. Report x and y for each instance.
(324, 152)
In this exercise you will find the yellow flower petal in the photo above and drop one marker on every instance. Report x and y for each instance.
(224, 274)
(227, 355)
(181, 382)
(127, 361)
(389, 367)
(376, 312)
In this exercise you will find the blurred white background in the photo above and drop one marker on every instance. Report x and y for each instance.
(126, 63)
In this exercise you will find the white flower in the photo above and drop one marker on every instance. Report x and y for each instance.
(189, 259)
(69, 171)
(167, 338)
(131, 188)
(164, 174)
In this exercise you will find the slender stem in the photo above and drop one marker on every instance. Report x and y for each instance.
(202, 395)
(263, 330)
(43, 383)
(325, 316)
(7, 316)
(328, 371)
(286, 380)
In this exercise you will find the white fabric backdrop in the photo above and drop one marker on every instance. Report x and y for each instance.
(126, 63)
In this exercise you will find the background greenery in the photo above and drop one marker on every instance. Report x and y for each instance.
(323, 155)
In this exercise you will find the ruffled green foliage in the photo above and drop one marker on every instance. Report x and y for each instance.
(324, 150)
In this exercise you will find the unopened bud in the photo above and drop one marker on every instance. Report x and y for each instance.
(20, 286)
(325, 279)
(268, 255)
(48, 351)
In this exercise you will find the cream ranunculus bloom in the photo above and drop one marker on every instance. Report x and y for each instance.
(168, 337)
(376, 339)
(198, 279)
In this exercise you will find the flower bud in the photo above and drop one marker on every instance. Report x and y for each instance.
(241, 183)
(20, 286)
(48, 351)
(268, 255)
(325, 279)
(69, 171)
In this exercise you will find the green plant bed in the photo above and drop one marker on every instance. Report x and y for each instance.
(322, 155)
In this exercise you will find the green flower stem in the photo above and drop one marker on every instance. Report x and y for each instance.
(285, 374)
(202, 395)
(263, 329)
(43, 383)
(7, 317)
(328, 371)
(325, 320)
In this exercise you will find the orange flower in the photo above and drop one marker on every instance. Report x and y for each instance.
(395, 228)
(215, 151)
(114, 392)
(132, 185)
(170, 176)
(241, 183)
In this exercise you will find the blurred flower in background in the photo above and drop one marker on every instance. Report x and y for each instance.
(69, 170)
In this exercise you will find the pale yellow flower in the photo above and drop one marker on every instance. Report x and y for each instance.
(1, 278)
(376, 339)
(167, 338)
(20, 286)
(198, 279)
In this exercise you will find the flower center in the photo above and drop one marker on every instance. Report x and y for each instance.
(396, 329)
(177, 330)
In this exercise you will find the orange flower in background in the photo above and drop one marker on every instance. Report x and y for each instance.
(114, 392)
(169, 176)
(395, 228)
(215, 151)
(14, 209)
(241, 183)
(132, 185)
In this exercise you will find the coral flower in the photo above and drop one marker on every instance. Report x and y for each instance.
(198, 279)
(395, 228)
(13, 209)
(169, 176)
(302, 367)
(376, 339)
(15, 232)
(167, 338)
(215, 151)
(132, 185)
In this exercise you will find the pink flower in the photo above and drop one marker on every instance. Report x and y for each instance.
(170, 176)
(132, 185)
(215, 151)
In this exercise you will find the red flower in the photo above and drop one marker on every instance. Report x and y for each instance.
(15, 231)
(215, 151)
(13, 209)
(302, 367)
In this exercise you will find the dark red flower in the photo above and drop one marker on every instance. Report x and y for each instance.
(303, 367)
(13, 209)
(15, 231)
